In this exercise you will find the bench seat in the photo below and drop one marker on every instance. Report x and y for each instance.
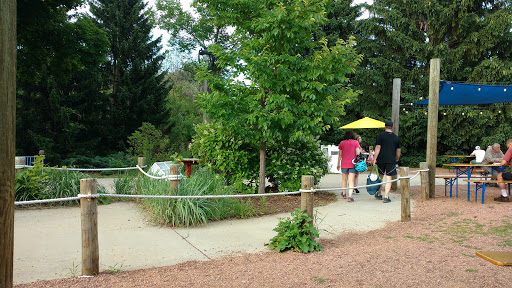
(481, 184)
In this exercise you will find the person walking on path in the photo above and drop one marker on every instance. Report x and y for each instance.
(348, 150)
(387, 154)
(360, 141)
(505, 175)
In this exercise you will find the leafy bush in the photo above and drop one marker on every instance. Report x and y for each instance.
(30, 182)
(228, 152)
(296, 233)
(224, 150)
(190, 212)
(287, 163)
(40, 183)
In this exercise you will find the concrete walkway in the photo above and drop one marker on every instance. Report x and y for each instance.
(47, 242)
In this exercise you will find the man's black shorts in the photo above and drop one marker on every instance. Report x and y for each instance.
(505, 175)
(387, 168)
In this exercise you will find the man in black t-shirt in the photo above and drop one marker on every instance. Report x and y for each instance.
(387, 153)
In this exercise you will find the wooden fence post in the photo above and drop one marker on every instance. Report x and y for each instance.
(306, 198)
(7, 138)
(174, 169)
(424, 181)
(141, 161)
(89, 218)
(405, 194)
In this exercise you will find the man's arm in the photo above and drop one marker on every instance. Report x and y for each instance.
(377, 151)
(398, 152)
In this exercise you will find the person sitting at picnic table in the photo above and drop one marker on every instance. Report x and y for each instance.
(479, 155)
(505, 175)
(494, 155)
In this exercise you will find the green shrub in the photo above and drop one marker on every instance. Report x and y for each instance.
(296, 233)
(40, 183)
(30, 182)
(287, 163)
(236, 156)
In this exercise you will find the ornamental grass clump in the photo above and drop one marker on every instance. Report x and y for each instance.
(190, 212)
(295, 233)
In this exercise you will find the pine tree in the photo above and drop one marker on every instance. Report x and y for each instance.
(132, 73)
(59, 103)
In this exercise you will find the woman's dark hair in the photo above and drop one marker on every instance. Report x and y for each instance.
(349, 135)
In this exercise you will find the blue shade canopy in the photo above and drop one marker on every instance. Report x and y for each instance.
(471, 94)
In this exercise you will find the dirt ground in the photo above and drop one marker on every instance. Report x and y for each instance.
(435, 249)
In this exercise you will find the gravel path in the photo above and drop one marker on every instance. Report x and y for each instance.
(436, 249)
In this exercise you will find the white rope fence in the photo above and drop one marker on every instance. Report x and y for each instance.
(168, 177)
(83, 169)
(200, 196)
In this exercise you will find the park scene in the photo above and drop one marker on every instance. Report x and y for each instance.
(303, 143)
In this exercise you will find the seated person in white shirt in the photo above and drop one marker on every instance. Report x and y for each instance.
(479, 155)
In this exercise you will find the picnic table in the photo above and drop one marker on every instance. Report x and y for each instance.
(467, 168)
(453, 159)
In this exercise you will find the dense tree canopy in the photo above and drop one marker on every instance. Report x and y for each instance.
(58, 104)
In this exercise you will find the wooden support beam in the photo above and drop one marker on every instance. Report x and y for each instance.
(7, 138)
(433, 108)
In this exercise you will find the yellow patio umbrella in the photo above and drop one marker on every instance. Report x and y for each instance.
(366, 122)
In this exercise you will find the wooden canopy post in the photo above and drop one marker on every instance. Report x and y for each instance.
(7, 138)
(395, 115)
(433, 108)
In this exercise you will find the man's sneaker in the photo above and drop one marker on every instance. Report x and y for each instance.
(502, 199)
(350, 199)
(357, 190)
(386, 200)
(378, 197)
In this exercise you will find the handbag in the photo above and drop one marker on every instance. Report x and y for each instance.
(373, 178)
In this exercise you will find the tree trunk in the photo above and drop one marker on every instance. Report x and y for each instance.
(7, 138)
(263, 156)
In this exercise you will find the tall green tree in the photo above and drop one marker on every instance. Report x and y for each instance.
(132, 74)
(182, 110)
(190, 30)
(298, 85)
(59, 103)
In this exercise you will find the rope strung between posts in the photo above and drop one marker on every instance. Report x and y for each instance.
(82, 169)
(168, 177)
(45, 201)
(201, 196)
